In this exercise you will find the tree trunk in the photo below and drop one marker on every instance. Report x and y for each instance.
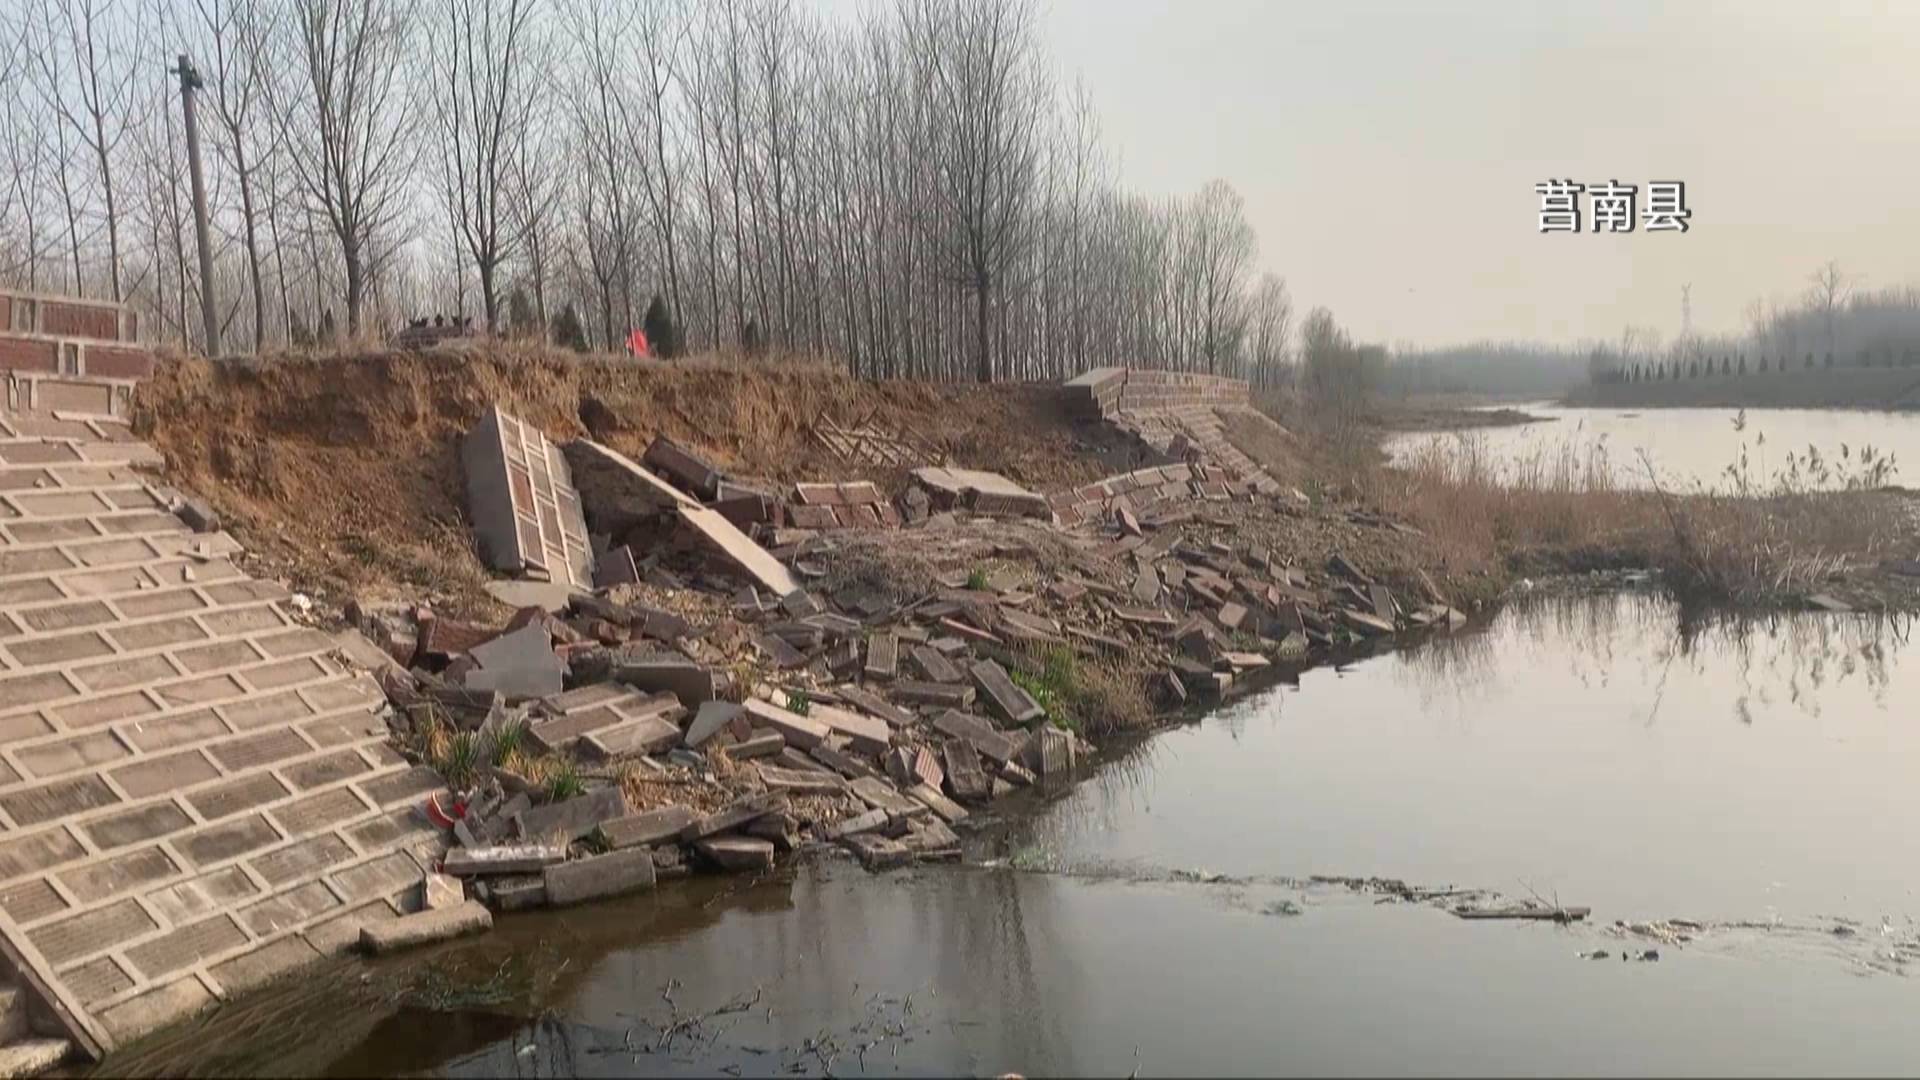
(489, 296)
(983, 361)
(356, 287)
(253, 249)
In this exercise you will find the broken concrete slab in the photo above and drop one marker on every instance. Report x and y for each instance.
(709, 721)
(910, 765)
(857, 824)
(1146, 583)
(657, 826)
(735, 815)
(883, 657)
(520, 664)
(599, 876)
(690, 682)
(778, 652)
(800, 782)
(745, 555)
(947, 694)
(1366, 623)
(864, 734)
(958, 725)
(1051, 753)
(801, 731)
(1383, 606)
(930, 839)
(845, 764)
(982, 492)
(616, 567)
(501, 859)
(1004, 697)
(965, 778)
(763, 745)
(934, 665)
(647, 735)
(737, 853)
(562, 823)
(643, 485)
(549, 596)
(880, 795)
(525, 511)
(870, 702)
(520, 892)
(441, 891)
(946, 809)
(877, 853)
(782, 829)
(424, 928)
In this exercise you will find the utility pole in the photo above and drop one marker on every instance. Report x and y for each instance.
(189, 82)
(1686, 310)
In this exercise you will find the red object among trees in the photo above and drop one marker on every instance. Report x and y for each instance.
(637, 345)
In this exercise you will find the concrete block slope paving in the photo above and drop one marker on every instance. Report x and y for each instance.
(196, 794)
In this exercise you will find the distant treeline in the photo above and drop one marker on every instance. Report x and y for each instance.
(1491, 367)
(1831, 323)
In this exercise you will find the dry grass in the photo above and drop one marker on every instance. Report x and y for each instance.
(1564, 509)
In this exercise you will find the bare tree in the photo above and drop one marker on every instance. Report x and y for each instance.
(230, 39)
(1270, 325)
(345, 118)
(1827, 292)
(85, 74)
(483, 94)
(989, 96)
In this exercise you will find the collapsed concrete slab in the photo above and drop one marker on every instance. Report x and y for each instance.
(981, 492)
(525, 510)
(601, 876)
(426, 927)
(726, 539)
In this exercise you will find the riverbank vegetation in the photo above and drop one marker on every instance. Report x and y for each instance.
(1819, 524)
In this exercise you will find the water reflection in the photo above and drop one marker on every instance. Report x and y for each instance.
(1599, 746)
(1760, 660)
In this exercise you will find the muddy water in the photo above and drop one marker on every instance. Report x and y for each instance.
(1754, 779)
(1688, 447)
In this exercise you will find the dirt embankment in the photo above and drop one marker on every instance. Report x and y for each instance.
(342, 473)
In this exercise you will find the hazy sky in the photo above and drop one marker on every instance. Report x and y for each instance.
(1388, 152)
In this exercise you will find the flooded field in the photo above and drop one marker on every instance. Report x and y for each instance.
(1730, 798)
(1688, 447)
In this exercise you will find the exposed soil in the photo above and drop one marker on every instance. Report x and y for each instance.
(342, 473)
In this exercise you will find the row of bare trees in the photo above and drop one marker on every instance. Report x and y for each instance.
(914, 191)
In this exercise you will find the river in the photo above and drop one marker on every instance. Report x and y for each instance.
(1752, 778)
(1688, 447)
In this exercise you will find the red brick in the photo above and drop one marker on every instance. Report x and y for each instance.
(20, 354)
(62, 319)
(118, 362)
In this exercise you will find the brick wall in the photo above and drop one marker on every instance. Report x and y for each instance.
(1105, 391)
(117, 362)
(58, 316)
(24, 354)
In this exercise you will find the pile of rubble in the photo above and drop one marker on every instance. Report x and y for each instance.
(702, 707)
